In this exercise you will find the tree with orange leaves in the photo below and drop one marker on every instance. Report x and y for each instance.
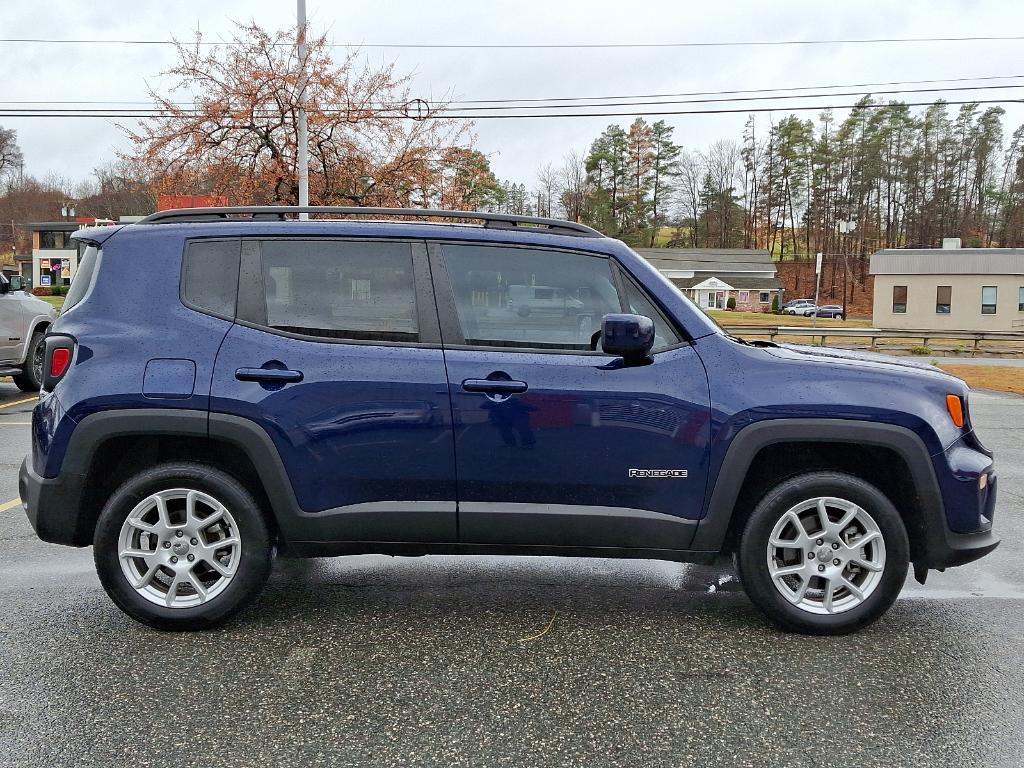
(370, 142)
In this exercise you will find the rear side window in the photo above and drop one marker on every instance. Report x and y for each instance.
(364, 291)
(211, 276)
(88, 266)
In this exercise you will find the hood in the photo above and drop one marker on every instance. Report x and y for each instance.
(858, 358)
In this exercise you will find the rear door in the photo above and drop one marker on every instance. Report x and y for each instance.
(336, 355)
(557, 444)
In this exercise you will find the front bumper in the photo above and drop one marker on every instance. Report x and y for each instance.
(53, 506)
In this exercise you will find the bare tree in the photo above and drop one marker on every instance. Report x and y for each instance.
(573, 183)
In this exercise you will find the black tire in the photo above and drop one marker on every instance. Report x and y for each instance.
(254, 564)
(31, 378)
(752, 560)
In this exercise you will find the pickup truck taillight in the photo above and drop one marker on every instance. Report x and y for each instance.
(60, 351)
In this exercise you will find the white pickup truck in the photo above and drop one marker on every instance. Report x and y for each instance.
(24, 321)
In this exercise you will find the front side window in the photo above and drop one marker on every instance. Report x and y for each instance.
(988, 300)
(362, 291)
(637, 303)
(899, 299)
(532, 298)
(943, 299)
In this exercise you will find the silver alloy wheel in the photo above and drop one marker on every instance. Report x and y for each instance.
(826, 555)
(179, 548)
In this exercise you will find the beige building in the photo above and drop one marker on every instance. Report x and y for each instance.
(952, 288)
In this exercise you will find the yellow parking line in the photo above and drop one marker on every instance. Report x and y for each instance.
(10, 504)
(20, 402)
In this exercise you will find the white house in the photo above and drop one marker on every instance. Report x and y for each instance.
(711, 276)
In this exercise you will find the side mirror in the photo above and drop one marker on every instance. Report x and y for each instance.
(631, 337)
(17, 283)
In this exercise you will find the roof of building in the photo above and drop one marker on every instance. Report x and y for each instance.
(948, 261)
(724, 260)
(59, 226)
(739, 283)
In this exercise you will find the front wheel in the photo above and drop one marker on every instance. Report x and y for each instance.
(824, 553)
(182, 546)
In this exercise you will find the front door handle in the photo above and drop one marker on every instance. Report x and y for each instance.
(494, 386)
(269, 375)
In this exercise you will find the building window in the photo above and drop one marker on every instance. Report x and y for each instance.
(899, 299)
(744, 297)
(1020, 299)
(943, 299)
(764, 297)
(988, 300)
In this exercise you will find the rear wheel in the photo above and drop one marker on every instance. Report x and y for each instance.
(31, 378)
(823, 553)
(182, 546)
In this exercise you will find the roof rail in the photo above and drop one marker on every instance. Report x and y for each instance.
(285, 212)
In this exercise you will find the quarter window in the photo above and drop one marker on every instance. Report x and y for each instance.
(988, 300)
(899, 299)
(943, 299)
(211, 276)
(1020, 299)
(341, 290)
(523, 297)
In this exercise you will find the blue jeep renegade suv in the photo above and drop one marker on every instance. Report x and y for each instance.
(224, 384)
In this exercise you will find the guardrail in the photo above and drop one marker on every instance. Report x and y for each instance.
(874, 334)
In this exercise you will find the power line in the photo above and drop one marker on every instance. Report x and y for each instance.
(155, 108)
(786, 89)
(458, 116)
(499, 46)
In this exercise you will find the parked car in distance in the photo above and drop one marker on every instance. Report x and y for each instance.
(24, 321)
(830, 310)
(267, 386)
(804, 307)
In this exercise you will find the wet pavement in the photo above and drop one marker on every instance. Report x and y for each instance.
(376, 661)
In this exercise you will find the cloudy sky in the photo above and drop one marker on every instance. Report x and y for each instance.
(517, 148)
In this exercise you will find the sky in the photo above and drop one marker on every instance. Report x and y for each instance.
(517, 149)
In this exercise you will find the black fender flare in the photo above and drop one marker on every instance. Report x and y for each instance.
(745, 445)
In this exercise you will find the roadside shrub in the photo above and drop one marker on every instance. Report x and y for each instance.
(921, 351)
(60, 290)
(775, 303)
(731, 303)
(42, 290)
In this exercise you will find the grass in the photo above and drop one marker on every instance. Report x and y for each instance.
(55, 301)
(1002, 378)
(767, 318)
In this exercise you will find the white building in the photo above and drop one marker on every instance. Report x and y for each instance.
(711, 276)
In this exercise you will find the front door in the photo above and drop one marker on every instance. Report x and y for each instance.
(337, 356)
(557, 444)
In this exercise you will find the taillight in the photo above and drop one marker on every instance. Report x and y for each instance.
(59, 361)
(60, 350)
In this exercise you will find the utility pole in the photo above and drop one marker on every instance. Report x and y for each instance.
(303, 138)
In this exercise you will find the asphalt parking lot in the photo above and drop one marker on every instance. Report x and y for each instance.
(375, 661)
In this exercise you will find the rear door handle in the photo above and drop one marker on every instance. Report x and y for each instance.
(268, 375)
(494, 386)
